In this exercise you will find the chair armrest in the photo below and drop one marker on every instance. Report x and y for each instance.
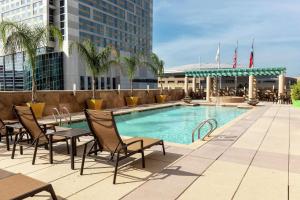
(133, 142)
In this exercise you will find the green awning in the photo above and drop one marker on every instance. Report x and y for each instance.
(236, 72)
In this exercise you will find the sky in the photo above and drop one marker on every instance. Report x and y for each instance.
(186, 31)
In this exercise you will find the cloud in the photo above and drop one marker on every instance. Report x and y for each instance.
(183, 32)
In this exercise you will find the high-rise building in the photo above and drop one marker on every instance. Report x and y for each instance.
(125, 24)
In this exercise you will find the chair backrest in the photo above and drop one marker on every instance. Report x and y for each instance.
(27, 119)
(2, 128)
(103, 127)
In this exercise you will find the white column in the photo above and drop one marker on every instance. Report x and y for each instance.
(199, 84)
(194, 84)
(186, 86)
(281, 80)
(250, 91)
(208, 88)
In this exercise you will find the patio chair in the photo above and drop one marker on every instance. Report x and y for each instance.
(19, 186)
(3, 130)
(39, 133)
(107, 138)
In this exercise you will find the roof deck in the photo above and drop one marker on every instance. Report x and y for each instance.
(255, 157)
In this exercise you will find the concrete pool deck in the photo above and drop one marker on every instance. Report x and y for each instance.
(256, 157)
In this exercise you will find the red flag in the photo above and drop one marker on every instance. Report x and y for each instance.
(235, 59)
(251, 63)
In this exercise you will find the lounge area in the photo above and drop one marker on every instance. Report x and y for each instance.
(231, 161)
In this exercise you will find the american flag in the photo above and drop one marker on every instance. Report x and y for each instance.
(235, 56)
(251, 63)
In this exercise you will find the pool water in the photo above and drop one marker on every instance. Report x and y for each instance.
(172, 124)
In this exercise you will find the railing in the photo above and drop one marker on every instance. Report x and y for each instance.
(57, 116)
(213, 125)
(62, 116)
(67, 116)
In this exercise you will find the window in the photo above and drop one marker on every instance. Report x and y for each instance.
(82, 82)
(89, 83)
(114, 83)
(102, 83)
(96, 83)
(108, 83)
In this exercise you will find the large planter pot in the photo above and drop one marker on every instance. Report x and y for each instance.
(132, 101)
(37, 108)
(253, 102)
(94, 104)
(296, 103)
(187, 99)
(161, 98)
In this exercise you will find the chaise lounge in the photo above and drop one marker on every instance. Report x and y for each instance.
(107, 138)
(18, 186)
(39, 135)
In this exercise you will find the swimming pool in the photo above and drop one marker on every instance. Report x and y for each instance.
(172, 124)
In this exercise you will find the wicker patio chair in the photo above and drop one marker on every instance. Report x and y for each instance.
(37, 132)
(107, 138)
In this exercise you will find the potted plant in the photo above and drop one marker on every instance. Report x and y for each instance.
(157, 67)
(296, 95)
(17, 37)
(97, 62)
(132, 63)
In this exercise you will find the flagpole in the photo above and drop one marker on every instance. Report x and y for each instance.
(235, 80)
(219, 66)
(253, 51)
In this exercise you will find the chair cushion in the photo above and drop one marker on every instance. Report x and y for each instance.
(4, 173)
(147, 143)
(16, 185)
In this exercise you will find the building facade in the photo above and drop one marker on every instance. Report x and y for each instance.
(174, 78)
(124, 24)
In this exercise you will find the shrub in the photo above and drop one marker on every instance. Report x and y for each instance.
(296, 91)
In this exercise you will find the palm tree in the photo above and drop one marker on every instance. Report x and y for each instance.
(157, 66)
(20, 37)
(132, 63)
(98, 62)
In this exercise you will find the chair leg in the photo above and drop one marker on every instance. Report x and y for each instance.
(21, 149)
(51, 191)
(68, 148)
(35, 150)
(83, 159)
(28, 140)
(14, 147)
(143, 159)
(163, 147)
(116, 168)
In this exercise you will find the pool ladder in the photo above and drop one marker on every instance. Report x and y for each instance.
(213, 125)
(62, 116)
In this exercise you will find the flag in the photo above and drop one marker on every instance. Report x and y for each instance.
(218, 56)
(235, 56)
(251, 63)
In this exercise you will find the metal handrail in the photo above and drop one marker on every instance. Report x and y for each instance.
(56, 115)
(213, 124)
(66, 114)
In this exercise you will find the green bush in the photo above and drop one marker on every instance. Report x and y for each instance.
(296, 91)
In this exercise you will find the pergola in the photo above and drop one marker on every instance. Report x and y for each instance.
(251, 72)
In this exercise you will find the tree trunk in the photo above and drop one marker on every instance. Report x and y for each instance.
(131, 88)
(33, 90)
(93, 87)
(161, 88)
(33, 87)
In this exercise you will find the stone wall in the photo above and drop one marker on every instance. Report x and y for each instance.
(112, 99)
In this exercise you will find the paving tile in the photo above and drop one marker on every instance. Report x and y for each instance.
(172, 181)
(209, 151)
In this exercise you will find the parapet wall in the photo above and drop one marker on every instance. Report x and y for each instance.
(111, 99)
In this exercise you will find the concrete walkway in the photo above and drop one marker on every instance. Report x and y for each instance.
(258, 157)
